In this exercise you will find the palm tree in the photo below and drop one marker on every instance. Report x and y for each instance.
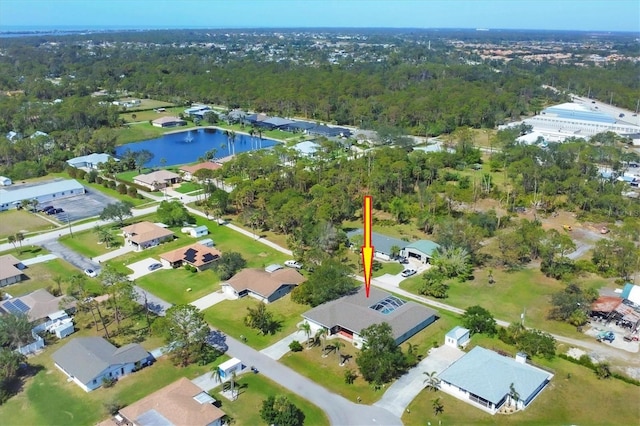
(337, 345)
(19, 237)
(437, 406)
(58, 280)
(514, 396)
(432, 381)
(12, 240)
(306, 327)
(215, 374)
(234, 394)
(321, 335)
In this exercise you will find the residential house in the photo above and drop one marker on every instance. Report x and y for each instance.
(197, 111)
(485, 379)
(307, 148)
(197, 255)
(348, 316)
(255, 119)
(421, 250)
(188, 172)
(382, 244)
(91, 161)
(10, 270)
(266, 285)
(168, 122)
(298, 126)
(328, 132)
(157, 180)
(458, 336)
(42, 192)
(145, 234)
(180, 404)
(88, 361)
(37, 305)
(5, 181)
(276, 123)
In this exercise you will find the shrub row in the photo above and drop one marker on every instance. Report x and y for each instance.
(585, 361)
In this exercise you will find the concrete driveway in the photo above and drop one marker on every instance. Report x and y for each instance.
(70, 256)
(400, 394)
(141, 268)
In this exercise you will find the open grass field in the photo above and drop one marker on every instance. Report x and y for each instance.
(172, 285)
(574, 396)
(170, 111)
(229, 315)
(148, 103)
(187, 187)
(12, 221)
(255, 388)
(513, 293)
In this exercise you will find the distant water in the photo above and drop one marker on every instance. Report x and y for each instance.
(188, 146)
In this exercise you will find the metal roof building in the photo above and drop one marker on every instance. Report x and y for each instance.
(483, 378)
(45, 192)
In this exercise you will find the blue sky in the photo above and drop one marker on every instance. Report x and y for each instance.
(590, 15)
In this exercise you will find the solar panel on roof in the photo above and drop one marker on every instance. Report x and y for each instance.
(21, 305)
(208, 257)
(11, 308)
(190, 255)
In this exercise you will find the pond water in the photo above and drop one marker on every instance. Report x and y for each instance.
(188, 146)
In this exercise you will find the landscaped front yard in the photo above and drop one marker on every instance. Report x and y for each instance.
(229, 315)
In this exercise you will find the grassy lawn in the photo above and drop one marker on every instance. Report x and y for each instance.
(13, 221)
(255, 388)
(26, 252)
(41, 275)
(172, 285)
(137, 132)
(392, 268)
(115, 194)
(47, 398)
(186, 187)
(574, 396)
(86, 243)
(525, 290)
(228, 316)
(406, 231)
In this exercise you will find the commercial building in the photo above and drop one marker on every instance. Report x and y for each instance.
(42, 192)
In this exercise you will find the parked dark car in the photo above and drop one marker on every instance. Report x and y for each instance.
(46, 209)
(56, 211)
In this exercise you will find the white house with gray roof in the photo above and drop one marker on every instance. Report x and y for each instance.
(91, 161)
(483, 378)
(89, 360)
(348, 316)
(421, 250)
(43, 192)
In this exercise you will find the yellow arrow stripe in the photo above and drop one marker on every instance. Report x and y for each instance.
(367, 221)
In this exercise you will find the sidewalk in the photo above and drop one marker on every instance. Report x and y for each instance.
(281, 347)
(400, 394)
(209, 300)
(39, 259)
(113, 254)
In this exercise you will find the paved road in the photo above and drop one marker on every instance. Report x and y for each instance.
(339, 410)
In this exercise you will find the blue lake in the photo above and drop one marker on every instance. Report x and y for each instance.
(188, 146)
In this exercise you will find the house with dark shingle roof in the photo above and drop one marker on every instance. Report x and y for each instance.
(89, 360)
(348, 316)
(265, 285)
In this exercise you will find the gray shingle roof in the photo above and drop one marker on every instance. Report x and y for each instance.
(86, 357)
(489, 375)
(354, 313)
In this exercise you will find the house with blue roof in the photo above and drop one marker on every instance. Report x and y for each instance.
(421, 250)
(382, 244)
(485, 379)
(91, 161)
(458, 336)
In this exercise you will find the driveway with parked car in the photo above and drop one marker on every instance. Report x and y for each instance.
(144, 267)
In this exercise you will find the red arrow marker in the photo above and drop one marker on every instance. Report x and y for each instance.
(367, 248)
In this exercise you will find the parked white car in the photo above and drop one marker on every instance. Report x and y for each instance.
(408, 272)
(293, 264)
(91, 273)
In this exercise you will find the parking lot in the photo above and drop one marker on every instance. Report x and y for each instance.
(82, 206)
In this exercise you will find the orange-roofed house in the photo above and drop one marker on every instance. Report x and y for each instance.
(266, 285)
(143, 235)
(197, 255)
(181, 404)
(189, 171)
